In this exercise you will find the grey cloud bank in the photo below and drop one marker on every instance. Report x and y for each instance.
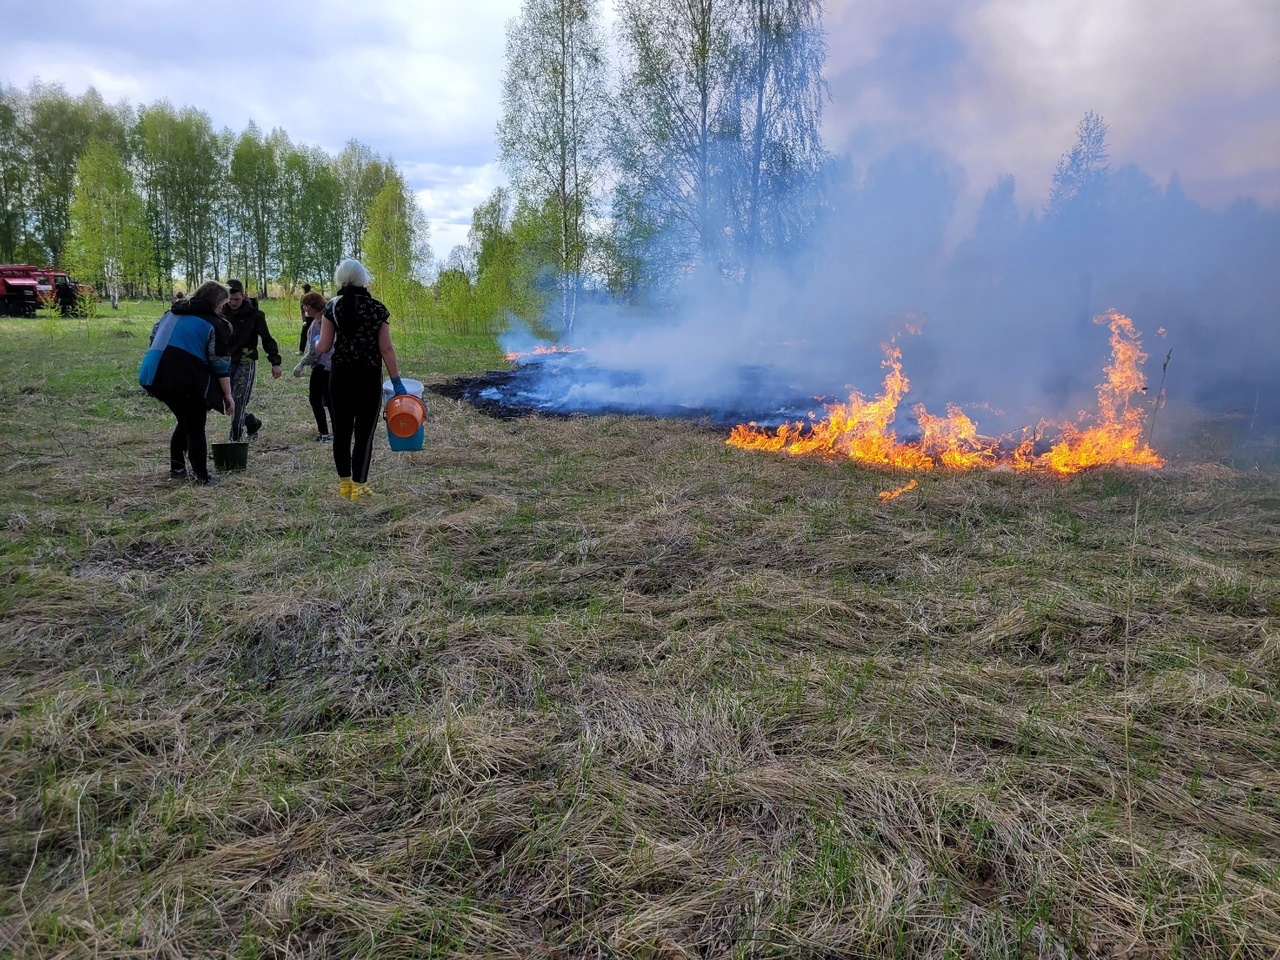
(1188, 86)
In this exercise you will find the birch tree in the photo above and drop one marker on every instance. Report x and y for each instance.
(552, 130)
(255, 180)
(778, 100)
(362, 175)
(60, 129)
(716, 137)
(309, 219)
(154, 151)
(109, 244)
(14, 149)
(223, 210)
(196, 175)
(397, 244)
(674, 108)
(322, 220)
(290, 230)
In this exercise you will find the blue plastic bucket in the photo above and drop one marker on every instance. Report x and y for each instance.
(407, 443)
(415, 388)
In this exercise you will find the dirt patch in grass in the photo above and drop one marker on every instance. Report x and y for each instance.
(112, 559)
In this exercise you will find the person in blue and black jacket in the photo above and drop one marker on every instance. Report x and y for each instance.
(188, 369)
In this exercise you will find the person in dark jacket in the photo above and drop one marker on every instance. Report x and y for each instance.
(65, 293)
(187, 368)
(306, 319)
(248, 326)
(355, 327)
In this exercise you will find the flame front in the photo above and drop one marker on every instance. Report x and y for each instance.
(541, 350)
(861, 429)
(858, 429)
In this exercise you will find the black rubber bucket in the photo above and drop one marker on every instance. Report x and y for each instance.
(232, 455)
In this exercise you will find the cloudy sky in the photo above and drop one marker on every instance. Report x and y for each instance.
(1191, 86)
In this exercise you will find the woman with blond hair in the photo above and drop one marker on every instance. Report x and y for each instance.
(356, 328)
(188, 368)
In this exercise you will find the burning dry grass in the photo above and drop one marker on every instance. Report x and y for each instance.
(862, 430)
(607, 687)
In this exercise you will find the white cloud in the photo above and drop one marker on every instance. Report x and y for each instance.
(412, 80)
(449, 196)
(417, 82)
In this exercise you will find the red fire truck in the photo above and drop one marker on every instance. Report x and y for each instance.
(24, 287)
(19, 290)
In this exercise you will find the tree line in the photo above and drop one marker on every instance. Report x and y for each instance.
(139, 200)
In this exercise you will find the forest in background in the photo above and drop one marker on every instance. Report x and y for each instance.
(142, 201)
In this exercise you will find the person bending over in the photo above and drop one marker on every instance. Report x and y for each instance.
(356, 328)
(187, 368)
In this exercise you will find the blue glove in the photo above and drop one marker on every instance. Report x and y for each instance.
(399, 386)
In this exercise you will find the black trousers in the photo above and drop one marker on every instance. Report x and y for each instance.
(318, 394)
(356, 394)
(188, 440)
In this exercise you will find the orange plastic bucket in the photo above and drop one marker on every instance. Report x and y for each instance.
(404, 414)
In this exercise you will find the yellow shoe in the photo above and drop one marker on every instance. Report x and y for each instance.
(361, 491)
(345, 486)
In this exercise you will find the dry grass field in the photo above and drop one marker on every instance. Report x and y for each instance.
(607, 687)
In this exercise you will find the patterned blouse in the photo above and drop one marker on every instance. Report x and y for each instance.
(357, 317)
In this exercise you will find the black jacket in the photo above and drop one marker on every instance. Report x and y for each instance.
(248, 325)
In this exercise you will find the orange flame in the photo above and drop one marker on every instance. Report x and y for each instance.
(860, 429)
(1116, 435)
(512, 357)
(887, 495)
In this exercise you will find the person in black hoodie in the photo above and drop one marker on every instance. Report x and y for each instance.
(248, 326)
(306, 320)
(187, 368)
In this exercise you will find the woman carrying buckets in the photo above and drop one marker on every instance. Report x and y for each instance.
(356, 328)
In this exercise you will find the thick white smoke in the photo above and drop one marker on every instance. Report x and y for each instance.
(1004, 316)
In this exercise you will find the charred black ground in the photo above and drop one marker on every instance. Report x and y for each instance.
(548, 390)
(488, 393)
(567, 387)
(520, 392)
